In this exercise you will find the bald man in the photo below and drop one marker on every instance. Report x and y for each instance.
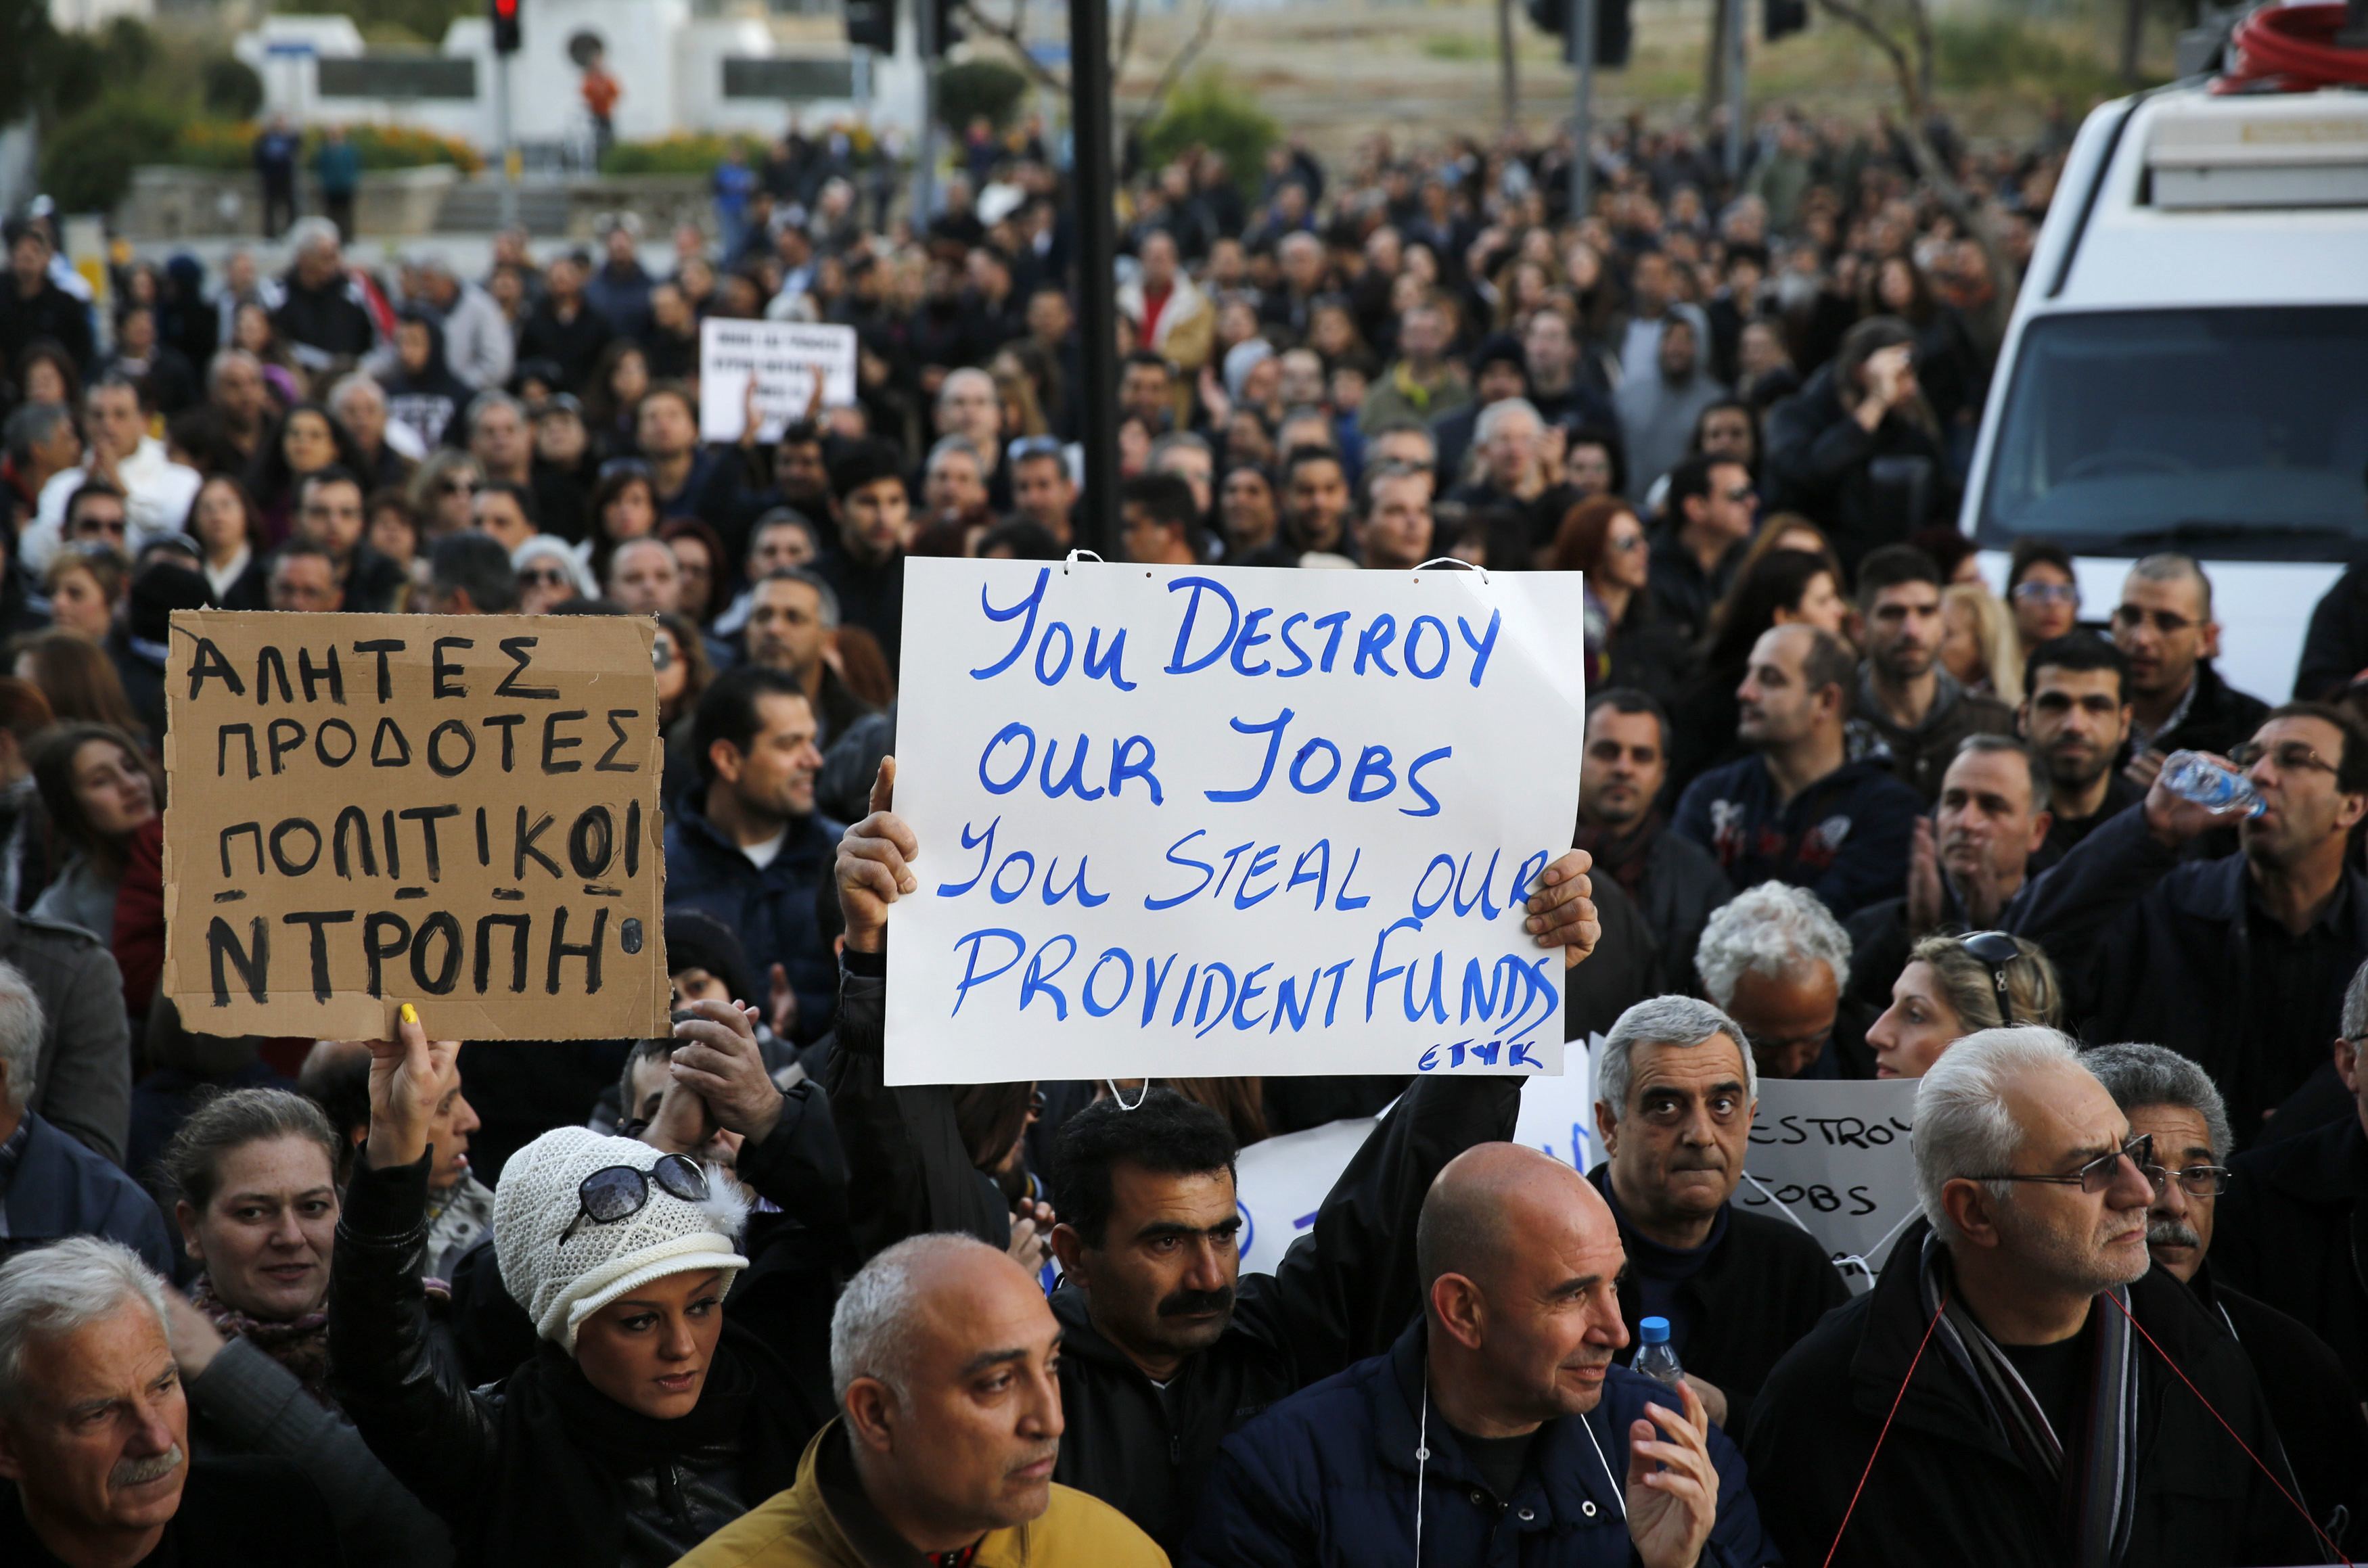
(942, 1355)
(1501, 1409)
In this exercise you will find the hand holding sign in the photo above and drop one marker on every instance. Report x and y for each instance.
(408, 1075)
(874, 867)
(1561, 913)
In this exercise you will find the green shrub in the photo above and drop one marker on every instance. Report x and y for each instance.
(982, 86)
(209, 143)
(1208, 111)
(87, 162)
(2005, 53)
(681, 154)
(232, 89)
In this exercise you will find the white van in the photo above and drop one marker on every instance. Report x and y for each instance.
(2187, 366)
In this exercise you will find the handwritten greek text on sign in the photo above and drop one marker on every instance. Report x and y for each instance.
(456, 811)
(782, 358)
(1206, 822)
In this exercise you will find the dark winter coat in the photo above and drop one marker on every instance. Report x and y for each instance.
(1331, 1477)
(1947, 1488)
(1844, 838)
(2154, 948)
(2293, 1233)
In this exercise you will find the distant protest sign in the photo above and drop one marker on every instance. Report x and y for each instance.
(456, 811)
(1200, 821)
(1833, 1157)
(782, 358)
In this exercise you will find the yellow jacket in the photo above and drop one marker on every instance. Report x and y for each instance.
(796, 1529)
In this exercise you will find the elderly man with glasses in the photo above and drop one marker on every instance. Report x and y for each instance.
(2168, 1098)
(2018, 1387)
(2239, 964)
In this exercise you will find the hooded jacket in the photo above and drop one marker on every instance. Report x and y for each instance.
(1947, 1490)
(426, 402)
(1844, 837)
(1921, 755)
(1331, 1477)
(773, 909)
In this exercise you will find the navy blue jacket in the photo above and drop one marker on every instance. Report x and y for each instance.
(62, 1189)
(1844, 838)
(774, 910)
(1328, 1477)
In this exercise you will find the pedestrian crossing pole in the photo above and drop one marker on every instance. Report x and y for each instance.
(1581, 40)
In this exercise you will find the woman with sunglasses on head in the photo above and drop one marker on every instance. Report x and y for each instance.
(1627, 643)
(441, 492)
(647, 1419)
(1954, 985)
(549, 574)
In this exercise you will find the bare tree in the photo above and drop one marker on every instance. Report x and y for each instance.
(1008, 25)
(1508, 80)
(1901, 31)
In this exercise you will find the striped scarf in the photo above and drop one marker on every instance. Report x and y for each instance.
(2095, 1476)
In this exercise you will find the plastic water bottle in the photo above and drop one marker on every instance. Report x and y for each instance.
(2194, 776)
(1657, 1359)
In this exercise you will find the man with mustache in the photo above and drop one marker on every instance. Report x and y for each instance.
(95, 1433)
(943, 1356)
(1915, 708)
(1499, 1424)
(1167, 1346)
(2076, 714)
(2168, 1097)
(2028, 1420)
(1676, 1089)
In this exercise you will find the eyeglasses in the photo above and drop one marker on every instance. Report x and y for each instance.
(1625, 543)
(616, 466)
(2047, 593)
(619, 1192)
(2290, 755)
(2129, 617)
(2099, 1173)
(1999, 952)
(458, 487)
(553, 578)
(2196, 1181)
(1743, 494)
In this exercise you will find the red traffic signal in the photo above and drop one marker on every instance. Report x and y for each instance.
(505, 17)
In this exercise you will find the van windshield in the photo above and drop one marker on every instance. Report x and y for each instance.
(2233, 433)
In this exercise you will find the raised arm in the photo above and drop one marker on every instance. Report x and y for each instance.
(908, 1170)
(413, 1410)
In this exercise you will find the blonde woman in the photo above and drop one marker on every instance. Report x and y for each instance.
(1979, 645)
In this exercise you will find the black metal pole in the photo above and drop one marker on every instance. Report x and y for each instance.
(1094, 187)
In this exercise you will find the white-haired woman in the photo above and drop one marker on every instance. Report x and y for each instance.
(645, 1422)
(550, 572)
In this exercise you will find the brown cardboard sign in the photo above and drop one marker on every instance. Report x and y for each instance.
(458, 812)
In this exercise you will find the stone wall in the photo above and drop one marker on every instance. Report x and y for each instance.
(169, 202)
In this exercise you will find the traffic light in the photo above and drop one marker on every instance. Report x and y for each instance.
(1612, 33)
(947, 28)
(872, 24)
(1782, 18)
(504, 15)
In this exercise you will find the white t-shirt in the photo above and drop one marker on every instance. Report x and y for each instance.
(761, 855)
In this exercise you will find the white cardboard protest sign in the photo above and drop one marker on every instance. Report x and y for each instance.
(1210, 822)
(1280, 1182)
(1558, 1114)
(1833, 1159)
(783, 358)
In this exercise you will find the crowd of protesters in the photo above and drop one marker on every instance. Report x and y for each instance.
(1849, 810)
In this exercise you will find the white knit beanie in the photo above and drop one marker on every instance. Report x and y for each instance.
(560, 1286)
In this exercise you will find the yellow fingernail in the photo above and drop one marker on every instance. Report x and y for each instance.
(410, 1014)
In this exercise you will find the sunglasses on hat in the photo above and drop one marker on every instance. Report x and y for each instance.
(619, 1192)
